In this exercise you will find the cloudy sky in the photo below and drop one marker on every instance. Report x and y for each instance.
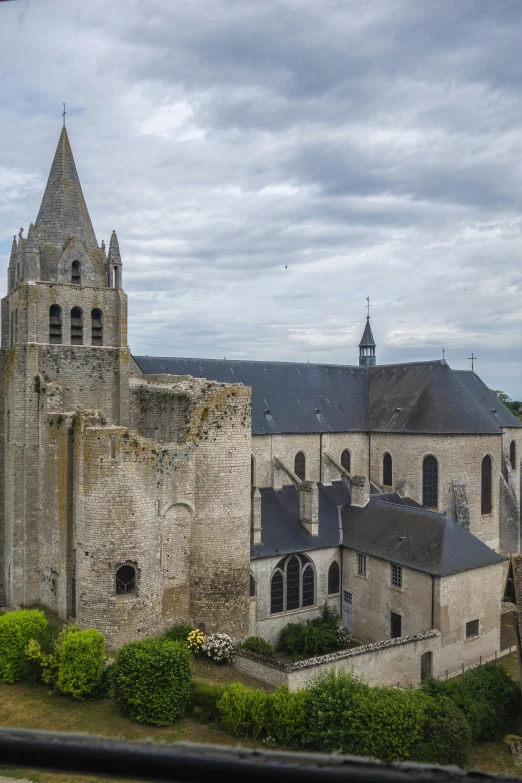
(267, 164)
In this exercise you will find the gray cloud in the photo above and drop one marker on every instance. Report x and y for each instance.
(372, 148)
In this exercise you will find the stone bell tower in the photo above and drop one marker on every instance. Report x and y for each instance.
(63, 348)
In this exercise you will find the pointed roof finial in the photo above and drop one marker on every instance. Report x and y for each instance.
(114, 250)
(14, 251)
(31, 244)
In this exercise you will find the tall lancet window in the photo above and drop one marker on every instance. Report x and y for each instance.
(76, 273)
(387, 470)
(55, 324)
(430, 482)
(97, 326)
(486, 498)
(76, 326)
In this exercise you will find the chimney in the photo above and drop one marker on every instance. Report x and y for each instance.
(309, 507)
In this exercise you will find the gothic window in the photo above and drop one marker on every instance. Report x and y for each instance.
(76, 326)
(513, 454)
(486, 495)
(426, 666)
(96, 326)
(125, 579)
(252, 587)
(430, 482)
(55, 324)
(292, 585)
(346, 460)
(334, 578)
(76, 275)
(387, 470)
(300, 465)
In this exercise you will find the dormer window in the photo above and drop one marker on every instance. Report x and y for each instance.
(76, 275)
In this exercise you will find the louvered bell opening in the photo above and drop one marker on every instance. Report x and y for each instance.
(96, 327)
(76, 327)
(55, 325)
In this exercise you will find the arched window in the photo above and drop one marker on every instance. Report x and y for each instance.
(76, 274)
(292, 585)
(387, 471)
(486, 495)
(97, 326)
(430, 482)
(300, 465)
(76, 326)
(346, 460)
(125, 579)
(253, 481)
(513, 454)
(55, 324)
(252, 586)
(334, 578)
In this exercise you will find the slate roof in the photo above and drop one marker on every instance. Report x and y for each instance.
(419, 397)
(63, 211)
(367, 340)
(411, 536)
(282, 533)
(497, 411)
(298, 397)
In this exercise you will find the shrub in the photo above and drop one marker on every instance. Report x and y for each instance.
(242, 711)
(16, 631)
(195, 641)
(447, 735)
(150, 680)
(308, 638)
(204, 699)
(257, 644)
(287, 716)
(487, 696)
(44, 653)
(345, 714)
(178, 633)
(219, 647)
(80, 668)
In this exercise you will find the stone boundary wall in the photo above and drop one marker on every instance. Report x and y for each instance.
(388, 662)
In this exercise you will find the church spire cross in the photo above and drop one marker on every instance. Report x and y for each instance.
(472, 360)
(368, 305)
(63, 115)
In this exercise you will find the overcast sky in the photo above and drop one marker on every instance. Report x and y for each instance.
(268, 164)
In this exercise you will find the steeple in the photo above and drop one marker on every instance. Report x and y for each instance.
(114, 250)
(114, 264)
(367, 345)
(63, 212)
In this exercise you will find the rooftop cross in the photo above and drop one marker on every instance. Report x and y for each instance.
(63, 115)
(368, 306)
(443, 353)
(472, 359)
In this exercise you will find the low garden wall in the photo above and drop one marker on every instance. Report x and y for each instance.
(390, 662)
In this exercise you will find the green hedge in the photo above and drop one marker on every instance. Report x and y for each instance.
(204, 699)
(287, 719)
(150, 680)
(257, 644)
(16, 630)
(447, 735)
(80, 667)
(242, 711)
(178, 633)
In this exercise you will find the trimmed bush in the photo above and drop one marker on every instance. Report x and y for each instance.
(487, 696)
(257, 644)
(204, 699)
(178, 633)
(447, 735)
(44, 653)
(150, 680)
(287, 716)
(80, 667)
(16, 631)
(243, 711)
(308, 638)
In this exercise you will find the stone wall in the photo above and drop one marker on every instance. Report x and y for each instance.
(390, 662)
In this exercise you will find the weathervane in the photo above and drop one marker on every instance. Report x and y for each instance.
(368, 306)
(63, 115)
(472, 359)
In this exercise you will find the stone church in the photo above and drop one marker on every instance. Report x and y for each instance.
(236, 495)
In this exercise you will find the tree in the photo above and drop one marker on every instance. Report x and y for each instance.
(503, 397)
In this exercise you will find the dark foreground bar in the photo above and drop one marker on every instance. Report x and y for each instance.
(191, 763)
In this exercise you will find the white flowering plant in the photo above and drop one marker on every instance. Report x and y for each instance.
(219, 647)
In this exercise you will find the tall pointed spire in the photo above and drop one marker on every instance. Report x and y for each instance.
(114, 250)
(367, 345)
(63, 212)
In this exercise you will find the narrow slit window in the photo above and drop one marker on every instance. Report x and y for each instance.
(97, 326)
(76, 326)
(486, 503)
(513, 454)
(76, 274)
(361, 564)
(252, 587)
(387, 470)
(55, 325)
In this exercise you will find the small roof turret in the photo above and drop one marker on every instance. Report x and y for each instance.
(14, 252)
(367, 340)
(367, 345)
(114, 250)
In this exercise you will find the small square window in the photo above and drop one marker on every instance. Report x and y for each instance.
(396, 576)
(472, 629)
(361, 564)
(347, 597)
(395, 625)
